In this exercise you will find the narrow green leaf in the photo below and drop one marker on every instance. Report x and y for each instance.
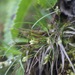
(21, 13)
(10, 10)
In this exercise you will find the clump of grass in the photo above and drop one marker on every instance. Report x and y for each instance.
(45, 47)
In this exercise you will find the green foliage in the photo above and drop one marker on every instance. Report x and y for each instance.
(19, 71)
(47, 3)
(21, 13)
(41, 41)
(11, 51)
(11, 8)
